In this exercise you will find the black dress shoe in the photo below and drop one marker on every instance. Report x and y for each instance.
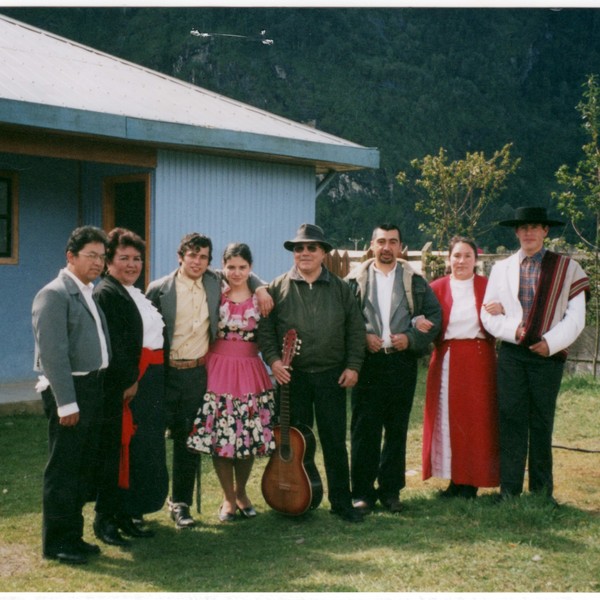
(86, 548)
(69, 556)
(180, 513)
(452, 491)
(349, 514)
(248, 513)
(467, 491)
(128, 527)
(224, 516)
(503, 497)
(363, 506)
(393, 505)
(106, 530)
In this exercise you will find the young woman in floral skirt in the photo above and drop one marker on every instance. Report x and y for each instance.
(234, 423)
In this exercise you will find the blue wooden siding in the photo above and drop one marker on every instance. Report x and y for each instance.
(48, 210)
(55, 196)
(227, 199)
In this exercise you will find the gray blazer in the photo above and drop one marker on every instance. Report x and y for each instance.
(66, 337)
(163, 294)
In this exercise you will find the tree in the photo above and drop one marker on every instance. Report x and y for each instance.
(456, 194)
(580, 199)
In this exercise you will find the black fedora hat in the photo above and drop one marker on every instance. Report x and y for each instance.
(531, 215)
(308, 233)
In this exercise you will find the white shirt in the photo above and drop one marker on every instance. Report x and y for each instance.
(385, 288)
(86, 291)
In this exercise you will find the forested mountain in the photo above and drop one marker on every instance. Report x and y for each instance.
(405, 80)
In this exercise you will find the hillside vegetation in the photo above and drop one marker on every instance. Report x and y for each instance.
(408, 81)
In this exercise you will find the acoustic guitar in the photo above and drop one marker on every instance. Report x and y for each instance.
(291, 483)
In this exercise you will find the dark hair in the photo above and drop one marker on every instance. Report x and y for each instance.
(88, 234)
(195, 241)
(237, 249)
(123, 237)
(459, 239)
(387, 227)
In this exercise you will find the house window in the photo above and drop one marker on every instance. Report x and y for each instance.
(8, 218)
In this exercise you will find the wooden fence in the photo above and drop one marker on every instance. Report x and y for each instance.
(433, 264)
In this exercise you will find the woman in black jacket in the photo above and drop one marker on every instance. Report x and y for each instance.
(133, 473)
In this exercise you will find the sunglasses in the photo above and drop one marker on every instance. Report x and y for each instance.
(310, 247)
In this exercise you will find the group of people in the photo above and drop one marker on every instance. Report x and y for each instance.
(188, 357)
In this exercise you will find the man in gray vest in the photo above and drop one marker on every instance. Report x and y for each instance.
(391, 296)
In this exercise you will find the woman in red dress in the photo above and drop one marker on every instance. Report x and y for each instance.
(460, 427)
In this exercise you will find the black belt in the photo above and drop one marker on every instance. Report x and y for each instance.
(389, 350)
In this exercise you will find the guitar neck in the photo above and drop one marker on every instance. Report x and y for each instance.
(284, 415)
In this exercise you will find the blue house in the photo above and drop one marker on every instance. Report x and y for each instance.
(88, 138)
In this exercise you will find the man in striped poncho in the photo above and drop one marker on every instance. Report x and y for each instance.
(543, 297)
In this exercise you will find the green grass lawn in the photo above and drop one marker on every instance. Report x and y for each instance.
(435, 545)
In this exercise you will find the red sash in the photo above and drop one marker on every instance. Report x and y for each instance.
(147, 358)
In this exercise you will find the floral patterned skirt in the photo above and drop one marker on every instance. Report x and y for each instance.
(231, 427)
(235, 419)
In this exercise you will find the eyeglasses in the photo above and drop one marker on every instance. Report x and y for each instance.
(93, 256)
(310, 247)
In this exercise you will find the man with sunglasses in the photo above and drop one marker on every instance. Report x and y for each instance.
(322, 310)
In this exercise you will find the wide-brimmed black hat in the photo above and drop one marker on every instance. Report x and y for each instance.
(308, 233)
(530, 215)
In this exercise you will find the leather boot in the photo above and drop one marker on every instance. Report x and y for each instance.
(106, 530)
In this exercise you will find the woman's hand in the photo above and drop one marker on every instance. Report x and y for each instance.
(422, 324)
(494, 308)
(130, 392)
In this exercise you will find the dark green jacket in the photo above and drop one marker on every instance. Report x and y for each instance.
(325, 316)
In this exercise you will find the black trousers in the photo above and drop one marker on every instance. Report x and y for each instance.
(109, 499)
(185, 389)
(528, 386)
(381, 405)
(318, 396)
(70, 476)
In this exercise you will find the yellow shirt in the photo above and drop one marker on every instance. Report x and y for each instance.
(191, 336)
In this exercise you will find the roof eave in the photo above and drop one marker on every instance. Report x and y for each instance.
(189, 137)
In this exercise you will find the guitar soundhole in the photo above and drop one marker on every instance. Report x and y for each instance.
(286, 454)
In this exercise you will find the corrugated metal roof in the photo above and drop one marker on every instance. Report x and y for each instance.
(45, 69)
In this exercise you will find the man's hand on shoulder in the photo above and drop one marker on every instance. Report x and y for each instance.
(265, 302)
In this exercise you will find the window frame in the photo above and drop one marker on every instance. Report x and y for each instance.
(13, 216)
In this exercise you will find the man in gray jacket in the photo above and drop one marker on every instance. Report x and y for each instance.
(188, 300)
(72, 350)
(391, 295)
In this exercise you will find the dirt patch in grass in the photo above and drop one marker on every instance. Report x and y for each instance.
(17, 559)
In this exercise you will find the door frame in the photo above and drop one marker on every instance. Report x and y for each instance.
(108, 208)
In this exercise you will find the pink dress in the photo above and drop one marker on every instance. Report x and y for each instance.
(235, 418)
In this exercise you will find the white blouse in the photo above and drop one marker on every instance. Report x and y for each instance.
(151, 318)
(464, 318)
